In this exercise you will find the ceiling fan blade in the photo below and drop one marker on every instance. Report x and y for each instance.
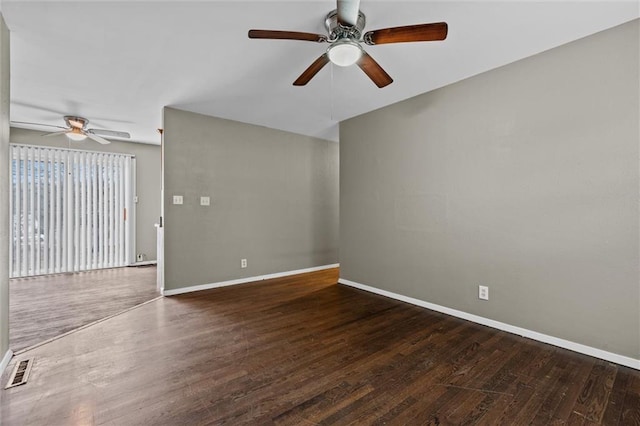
(37, 124)
(46, 135)
(348, 12)
(420, 32)
(97, 138)
(111, 133)
(286, 35)
(313, 69)
(374, 71)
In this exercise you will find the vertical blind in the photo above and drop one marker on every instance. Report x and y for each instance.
(69, 210)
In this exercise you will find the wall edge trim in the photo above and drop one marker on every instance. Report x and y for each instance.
(191, 289)
(534, 335)
(5, 360)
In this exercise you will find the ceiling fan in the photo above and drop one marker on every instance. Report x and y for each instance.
(344, 27)
(77, 130)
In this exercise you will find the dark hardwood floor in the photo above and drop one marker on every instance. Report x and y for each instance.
(47, 306)
(303, 350)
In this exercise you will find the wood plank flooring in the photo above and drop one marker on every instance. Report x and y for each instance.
(303, 350)
(47, 306)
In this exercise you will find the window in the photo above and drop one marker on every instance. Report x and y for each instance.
(70, 210)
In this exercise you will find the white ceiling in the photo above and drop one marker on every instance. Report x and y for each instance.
(119, 63)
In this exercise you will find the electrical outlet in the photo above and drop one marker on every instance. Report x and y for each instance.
(205, 201)
(140, 257)
(483, 292)
(243, 263)
(177, 199)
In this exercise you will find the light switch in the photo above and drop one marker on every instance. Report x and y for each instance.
(177, 199)
(205, 201)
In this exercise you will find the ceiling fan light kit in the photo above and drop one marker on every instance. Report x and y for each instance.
(75, 134)
(345, 27)
(344, 53)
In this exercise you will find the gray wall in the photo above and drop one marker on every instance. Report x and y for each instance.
(274, 200)
(147, 178)
(524, 178)
(4, 188)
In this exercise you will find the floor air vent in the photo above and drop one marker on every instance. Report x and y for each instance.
(20, 373)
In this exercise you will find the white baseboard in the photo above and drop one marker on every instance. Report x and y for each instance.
(5, 360)
(145, 263)
(555, 341)
(173, 292)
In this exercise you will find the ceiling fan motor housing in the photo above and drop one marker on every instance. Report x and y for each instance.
(337, 31)
(76, 122)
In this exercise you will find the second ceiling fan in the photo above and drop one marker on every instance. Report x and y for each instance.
(344, 27)
(77, 130)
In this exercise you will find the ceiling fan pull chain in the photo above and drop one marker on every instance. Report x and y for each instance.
(331, 95)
